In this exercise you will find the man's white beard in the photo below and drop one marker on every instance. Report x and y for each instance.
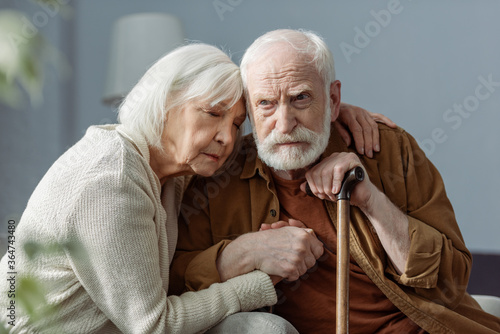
(295, 157)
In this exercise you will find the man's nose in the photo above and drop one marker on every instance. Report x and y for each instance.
(286, 120)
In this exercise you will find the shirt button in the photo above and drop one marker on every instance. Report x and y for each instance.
(273, 212)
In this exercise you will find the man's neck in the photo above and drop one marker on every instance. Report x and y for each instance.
(295, 174)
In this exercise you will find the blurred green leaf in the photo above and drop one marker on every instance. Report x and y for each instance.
(30, 69)
(31, 298)
(3, 330)
(32, 249)
(10, 93)
(76, 249)
(25, 54)
(31, 293)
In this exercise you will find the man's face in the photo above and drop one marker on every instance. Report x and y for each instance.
(290, 109)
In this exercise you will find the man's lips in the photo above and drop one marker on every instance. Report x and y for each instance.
(291, 143)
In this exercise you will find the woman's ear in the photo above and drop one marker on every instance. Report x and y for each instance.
(335, 99)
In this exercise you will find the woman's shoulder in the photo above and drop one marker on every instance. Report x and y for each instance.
(102, 155)
(106, 146)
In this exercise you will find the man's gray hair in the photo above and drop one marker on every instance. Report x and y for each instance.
(306, 42)
(194, 71)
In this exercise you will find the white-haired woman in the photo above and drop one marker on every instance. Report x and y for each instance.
(110, 205)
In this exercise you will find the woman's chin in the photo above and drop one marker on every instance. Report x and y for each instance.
(205, 172)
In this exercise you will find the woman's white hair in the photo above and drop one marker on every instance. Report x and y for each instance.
(305, 42)
(194, 71)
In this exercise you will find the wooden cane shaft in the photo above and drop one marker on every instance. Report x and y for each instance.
(342, 322)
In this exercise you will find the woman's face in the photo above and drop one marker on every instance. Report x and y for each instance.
(202, 137)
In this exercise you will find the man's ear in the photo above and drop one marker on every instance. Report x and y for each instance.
(335, 99)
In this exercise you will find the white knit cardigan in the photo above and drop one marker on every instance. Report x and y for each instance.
(103, 198)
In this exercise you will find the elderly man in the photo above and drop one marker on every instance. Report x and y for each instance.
(409, 266)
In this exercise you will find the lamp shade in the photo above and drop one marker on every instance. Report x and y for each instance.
(137, 41)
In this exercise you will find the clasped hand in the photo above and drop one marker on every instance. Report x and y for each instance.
(325, 181)
(288, 249)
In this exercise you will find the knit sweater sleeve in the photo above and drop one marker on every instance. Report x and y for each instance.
(122, 263)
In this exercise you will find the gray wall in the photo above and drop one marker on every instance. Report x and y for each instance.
(419, 67)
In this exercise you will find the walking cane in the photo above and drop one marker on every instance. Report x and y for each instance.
(351, 178)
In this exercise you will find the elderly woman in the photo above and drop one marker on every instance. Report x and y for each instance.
(110, 205)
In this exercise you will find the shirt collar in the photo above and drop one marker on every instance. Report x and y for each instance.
(252, 165)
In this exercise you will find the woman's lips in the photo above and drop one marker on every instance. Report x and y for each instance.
(213, 157)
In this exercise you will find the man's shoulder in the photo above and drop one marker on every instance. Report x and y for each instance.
(391, 136)
(385, 130)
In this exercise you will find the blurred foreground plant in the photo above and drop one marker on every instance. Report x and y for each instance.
(31, 294)
(24, 53)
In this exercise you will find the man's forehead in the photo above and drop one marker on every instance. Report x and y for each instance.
(276, 60)
(292, 85)
(295, 77)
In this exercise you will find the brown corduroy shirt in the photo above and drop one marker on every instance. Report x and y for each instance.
(431, 291)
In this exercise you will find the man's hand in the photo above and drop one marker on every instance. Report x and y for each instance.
(325, 180)
(286, 252)
(362, 124)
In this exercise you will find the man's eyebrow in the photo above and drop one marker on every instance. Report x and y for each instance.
(262, 96)
(298, 90)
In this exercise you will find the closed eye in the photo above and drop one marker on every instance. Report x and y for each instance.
(211, 112)
(239, 120)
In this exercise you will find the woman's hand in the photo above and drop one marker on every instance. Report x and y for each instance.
(282, 223)
(279, 224)
(361, 125)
